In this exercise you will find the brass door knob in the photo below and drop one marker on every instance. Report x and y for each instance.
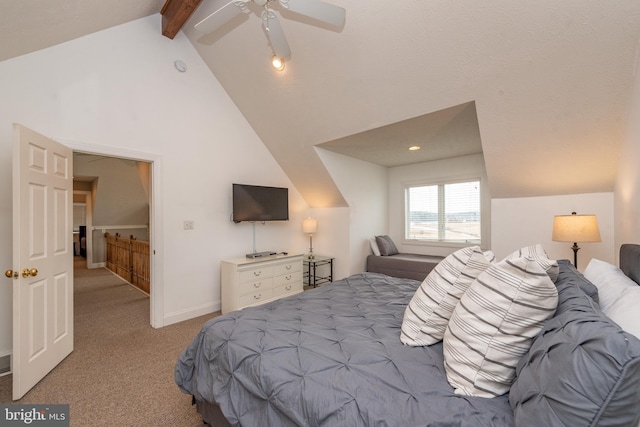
(26, 272)
(9, 273)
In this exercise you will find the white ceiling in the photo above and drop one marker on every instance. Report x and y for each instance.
(452, 132)
(30, 25)
(550, 81)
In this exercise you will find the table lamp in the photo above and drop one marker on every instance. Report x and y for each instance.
(575, 228)
(310, 227)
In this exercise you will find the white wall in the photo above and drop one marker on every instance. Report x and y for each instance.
(119, 88)
(627, 189)
(526, 221)
(364, 187)
(120, 196)
(332, 238)
(466, 167)
(515, 222)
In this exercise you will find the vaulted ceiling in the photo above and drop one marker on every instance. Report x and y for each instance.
(549, 82)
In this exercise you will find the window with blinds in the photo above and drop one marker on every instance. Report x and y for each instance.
(443, 212)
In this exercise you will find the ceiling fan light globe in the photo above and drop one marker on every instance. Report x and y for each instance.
(278, 63)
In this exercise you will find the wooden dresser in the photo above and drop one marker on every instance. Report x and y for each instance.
(252, 281)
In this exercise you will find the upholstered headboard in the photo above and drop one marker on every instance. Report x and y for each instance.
(630, 261)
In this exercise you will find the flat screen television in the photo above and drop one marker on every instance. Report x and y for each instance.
(258, 203)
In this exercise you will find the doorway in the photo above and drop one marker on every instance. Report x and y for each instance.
(42, 214)
(111, 215)
(82, 220)
(155, 226)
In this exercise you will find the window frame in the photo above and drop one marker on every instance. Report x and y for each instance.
(441, 183)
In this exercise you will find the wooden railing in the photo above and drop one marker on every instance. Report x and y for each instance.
(129, 259)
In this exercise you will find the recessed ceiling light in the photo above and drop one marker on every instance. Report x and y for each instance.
(414, 148)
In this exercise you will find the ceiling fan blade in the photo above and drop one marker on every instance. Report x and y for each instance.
(225, 12)
(278, 41)
(316, 9)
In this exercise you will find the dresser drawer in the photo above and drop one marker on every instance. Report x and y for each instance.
(256, 297)
(256, 286)
(289, 288)
(286, 268)
(253, 274)
(295, 277)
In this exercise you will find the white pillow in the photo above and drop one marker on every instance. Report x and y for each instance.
(490, 256)
(430, 308)
(493, 325)
(610, 281)
(625, 311)
(538, 253)
(374, 246)
(619, 295)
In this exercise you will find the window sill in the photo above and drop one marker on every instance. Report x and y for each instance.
(440, 244)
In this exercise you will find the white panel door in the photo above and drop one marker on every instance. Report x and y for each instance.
(42, 255)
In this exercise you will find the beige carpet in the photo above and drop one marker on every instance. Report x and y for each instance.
(121, 370)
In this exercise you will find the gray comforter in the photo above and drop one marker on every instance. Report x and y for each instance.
(330, 356)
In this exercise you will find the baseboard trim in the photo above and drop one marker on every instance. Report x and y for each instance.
(5, 364)
(182, 315)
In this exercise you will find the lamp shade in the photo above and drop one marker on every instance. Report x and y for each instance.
(575, 228)
(309, 225)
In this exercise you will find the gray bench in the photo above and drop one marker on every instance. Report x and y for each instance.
(406, 266)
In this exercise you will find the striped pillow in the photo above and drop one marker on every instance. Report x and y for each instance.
(538, 253)
(428, 312)
(493, 325)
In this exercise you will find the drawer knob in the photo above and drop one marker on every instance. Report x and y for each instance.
(288, 287)
(288, 277)
(288, 267)
(257, 273)
(257, 296)
(257, 284)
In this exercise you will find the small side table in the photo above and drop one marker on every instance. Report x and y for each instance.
(310, 267)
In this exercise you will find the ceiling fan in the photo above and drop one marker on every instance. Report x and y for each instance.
(225, 10)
